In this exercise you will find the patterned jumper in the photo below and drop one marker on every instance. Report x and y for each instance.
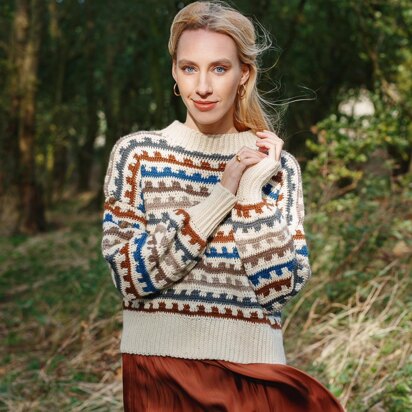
(203, 273)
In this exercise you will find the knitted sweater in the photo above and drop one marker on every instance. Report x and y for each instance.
(204, 273)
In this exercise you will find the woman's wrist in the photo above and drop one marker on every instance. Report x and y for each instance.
(230, 185)
(254, 178)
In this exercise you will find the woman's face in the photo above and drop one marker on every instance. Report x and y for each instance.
(207, 69)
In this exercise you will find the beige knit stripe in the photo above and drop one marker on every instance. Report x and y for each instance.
(175, 186)
(237, 281)
(268, 236)
(172, 203)
(266, 260)
(267, 254)
(168, 262)
(214, 285)
(252, 246)
(119, 233)
(222, 267)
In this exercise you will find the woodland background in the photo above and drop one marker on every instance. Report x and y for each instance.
(75, 75)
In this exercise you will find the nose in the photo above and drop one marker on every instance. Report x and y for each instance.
(204, 86)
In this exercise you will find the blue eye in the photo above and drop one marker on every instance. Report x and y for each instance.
(187, 67)
(221, 67)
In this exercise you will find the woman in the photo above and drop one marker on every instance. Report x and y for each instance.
(203, 232)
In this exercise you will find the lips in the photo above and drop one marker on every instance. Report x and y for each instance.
(204, 106)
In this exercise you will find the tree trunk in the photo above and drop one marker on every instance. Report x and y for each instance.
(56, 178)
(86, 150)
(27, 30)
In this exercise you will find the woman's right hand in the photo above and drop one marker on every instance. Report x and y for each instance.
(235, 169)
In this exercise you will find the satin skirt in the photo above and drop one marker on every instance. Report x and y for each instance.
(162, 383)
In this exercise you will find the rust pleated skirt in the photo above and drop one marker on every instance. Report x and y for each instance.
(162, 383)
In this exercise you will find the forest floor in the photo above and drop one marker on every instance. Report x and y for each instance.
(350, 327)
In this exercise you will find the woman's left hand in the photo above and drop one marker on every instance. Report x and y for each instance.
(270, 143)
(257, 175)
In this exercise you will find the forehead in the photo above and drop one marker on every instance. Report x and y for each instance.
(204, 44)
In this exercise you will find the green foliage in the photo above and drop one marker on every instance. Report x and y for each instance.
(360, 238)
(352, 153)
(60, 332)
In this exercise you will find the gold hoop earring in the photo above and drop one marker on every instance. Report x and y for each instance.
(174, 90)
(242, 92)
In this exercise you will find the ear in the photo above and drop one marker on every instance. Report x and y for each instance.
(245, 73)
(174, 70)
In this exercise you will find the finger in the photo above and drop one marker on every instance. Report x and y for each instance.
(250, 158)
(254, 155)
(265, 145)
(251, 162)
(272, 141)
(253, 152)
(265, 134)
(265, 142)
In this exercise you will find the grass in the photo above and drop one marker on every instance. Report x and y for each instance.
(61, 325)
(350, 327)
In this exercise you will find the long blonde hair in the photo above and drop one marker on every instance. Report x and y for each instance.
(218, 16)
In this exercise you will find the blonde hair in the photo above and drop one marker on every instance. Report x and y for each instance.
(218, 16)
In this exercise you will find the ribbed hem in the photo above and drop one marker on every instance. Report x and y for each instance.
(253, 180)
(190, 337)
(208, 213)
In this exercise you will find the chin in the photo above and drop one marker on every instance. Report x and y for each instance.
(206, 118)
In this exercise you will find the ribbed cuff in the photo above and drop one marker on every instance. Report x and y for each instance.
(208, 213)
(254, 178)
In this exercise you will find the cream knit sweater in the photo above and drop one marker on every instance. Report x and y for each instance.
(204, 273)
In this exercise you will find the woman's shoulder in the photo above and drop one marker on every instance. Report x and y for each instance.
(288, 159)
(290, 166)
(138, 138)
(137, 141)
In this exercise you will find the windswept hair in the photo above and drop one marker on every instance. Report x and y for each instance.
(218, 16)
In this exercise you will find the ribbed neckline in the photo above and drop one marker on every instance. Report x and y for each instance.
(180, 134)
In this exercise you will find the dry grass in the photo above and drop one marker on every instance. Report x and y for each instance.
(360, 343)
(60, 335)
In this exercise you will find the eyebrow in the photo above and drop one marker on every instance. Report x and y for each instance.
(224, 60)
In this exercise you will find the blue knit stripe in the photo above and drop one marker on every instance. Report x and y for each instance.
(304, 251)
(268, 273)
(212, 252)
(269, 191)
(180, 174)
(141, 266)
(110, 217)
(196, 296)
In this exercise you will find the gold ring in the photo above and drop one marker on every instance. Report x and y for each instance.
(238, 158)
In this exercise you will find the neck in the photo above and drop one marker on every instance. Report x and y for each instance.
(223, 127)
(179, 134)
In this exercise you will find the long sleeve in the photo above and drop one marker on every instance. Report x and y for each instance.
(143, 263)
(270, 238)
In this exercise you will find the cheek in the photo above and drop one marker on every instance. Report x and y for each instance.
(190, 87)
(229, 88)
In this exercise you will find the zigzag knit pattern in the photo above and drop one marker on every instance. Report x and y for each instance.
(202, 274)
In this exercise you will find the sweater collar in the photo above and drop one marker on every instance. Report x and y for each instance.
(180, 134)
